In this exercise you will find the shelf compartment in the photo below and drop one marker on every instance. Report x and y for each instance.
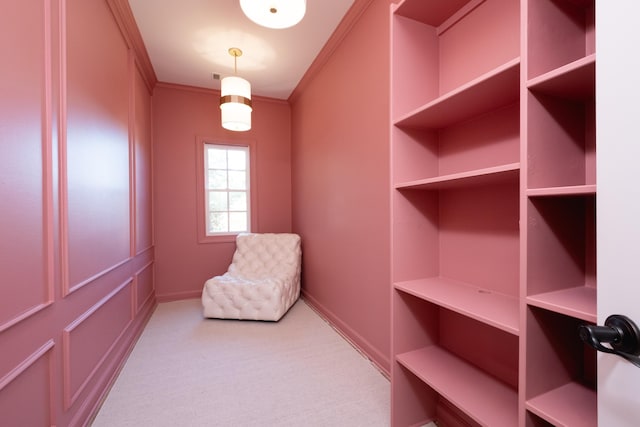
(491, 140)
(495, 89)
(419, 323)
(569, 405)
(559, 32)
(483, 398)
(468, 234)
(484, 176)
(560, 369)
(561, 250)
(497, 310)
(439, 47)
(561, 141)
(578, 302)
(576, 80)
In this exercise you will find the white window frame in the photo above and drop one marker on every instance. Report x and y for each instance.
(228, 190)
(202, 198)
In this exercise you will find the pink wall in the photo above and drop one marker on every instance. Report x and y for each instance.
(340, 136)
(181, 115)
(76, 253)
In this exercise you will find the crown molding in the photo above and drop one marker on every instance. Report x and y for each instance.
(129, 29)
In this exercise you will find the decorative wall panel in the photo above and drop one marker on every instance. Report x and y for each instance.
(142, 137)
(144, 285)
(97, 143)
(72, 101)
(25, 161)
(26, 387)
(89, 339)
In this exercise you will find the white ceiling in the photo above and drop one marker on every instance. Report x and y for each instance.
(188, 41)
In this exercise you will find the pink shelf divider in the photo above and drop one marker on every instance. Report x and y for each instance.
(573, 80)
(574, 190)
(492, 90)
(498, 310)
(578, 302)
(482, 397)
(570, 405)
(475, 177)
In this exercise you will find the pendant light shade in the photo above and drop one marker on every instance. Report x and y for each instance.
(235, 100)
(235, 103)
(274, 13)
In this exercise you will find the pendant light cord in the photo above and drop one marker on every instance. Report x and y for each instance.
(235, 52)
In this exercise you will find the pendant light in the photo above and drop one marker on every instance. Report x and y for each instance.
(274, 13)
(235, 99)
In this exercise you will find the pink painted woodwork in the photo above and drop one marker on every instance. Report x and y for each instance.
(493, 212)
(26, 219)
(76, 254)
(560, 33)
(559, 280)
(26, 392)
(95, 192)
(142, 152)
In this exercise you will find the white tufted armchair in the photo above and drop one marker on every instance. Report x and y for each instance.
(262, 282)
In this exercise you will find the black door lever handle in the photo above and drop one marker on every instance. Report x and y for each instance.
(621, 335)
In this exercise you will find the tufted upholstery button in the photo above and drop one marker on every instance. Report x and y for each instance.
(262, 282)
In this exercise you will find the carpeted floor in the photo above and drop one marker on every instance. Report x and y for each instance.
(190, 371)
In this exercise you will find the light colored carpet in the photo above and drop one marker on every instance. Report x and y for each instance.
(190, 371)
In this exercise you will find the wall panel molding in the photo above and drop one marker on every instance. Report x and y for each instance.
(47, 161)
(31, 102)
(143, 289)
(111, 368)
(24, 315)
(11, 406)
(127, 23)
(97, 276)
(94, 166)
(142, 164)
(25, 364)
(133, 207)
(95, 314)
(76, 288)
(63, 207)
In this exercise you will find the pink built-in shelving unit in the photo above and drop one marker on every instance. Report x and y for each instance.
(493, 212)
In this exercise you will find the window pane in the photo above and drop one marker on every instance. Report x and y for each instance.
(237, 180)
(217, 158)
(237, 201)
(218, 222)
(237, 159)
(217, 180)
(227, 197)
(238, 221)
(218, 201)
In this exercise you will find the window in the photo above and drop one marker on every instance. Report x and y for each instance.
(227, 189)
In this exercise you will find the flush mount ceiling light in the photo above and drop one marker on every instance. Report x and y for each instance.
(274, 13)
(235, 99)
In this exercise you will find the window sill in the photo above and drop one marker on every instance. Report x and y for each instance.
(226, 238)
